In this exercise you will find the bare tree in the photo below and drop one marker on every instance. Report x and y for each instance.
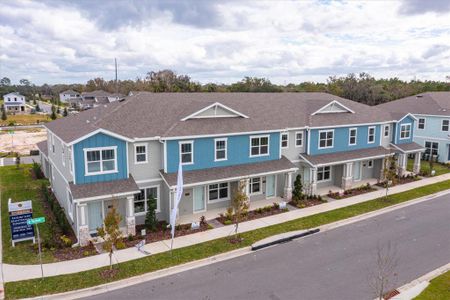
(239, 204)
(389, 172)
(382, 276)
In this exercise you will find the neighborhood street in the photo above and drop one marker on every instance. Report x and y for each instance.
(334, 264)
(9, 161)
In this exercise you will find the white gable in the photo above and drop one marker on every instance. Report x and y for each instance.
(215, 110)
(333, 107)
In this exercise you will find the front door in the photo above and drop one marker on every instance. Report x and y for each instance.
(199, 199)
(270, 186)
(95, 216)
(357, 170)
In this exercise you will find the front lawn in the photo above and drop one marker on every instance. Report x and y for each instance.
(425, 167)
(25, 119)
(439, 289)
(63, 283)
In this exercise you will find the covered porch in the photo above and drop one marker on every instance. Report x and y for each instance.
(403, 151)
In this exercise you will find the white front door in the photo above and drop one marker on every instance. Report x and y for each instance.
(95, 215)
(199, 199)
(270, 186)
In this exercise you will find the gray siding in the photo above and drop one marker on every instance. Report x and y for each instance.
(63, 164)
(293, 151)
(385, 141)
(149, 170)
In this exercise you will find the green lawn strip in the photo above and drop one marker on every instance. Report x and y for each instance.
(64, 283)
(425, 167)
(18, 185)
(439, 289)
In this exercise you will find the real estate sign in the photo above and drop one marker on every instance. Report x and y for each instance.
(19, 213)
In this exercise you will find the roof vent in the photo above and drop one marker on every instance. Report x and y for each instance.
(419, 96)
(87, 121)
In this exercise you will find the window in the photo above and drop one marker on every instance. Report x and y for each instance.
(326, 139)
(62, 155)
(259, 146)
(100, 161)
(140, 151)
(70, 204)
(218, 191)
(298, 139)
(370, 164)
(352, 136)
(371, 135)
(386, 130)
(255, 185)
(324, 173)
(284, 140)
(220, 149)
(141, 200)
(186, 153)
(431, 148)
(445, 125)
(421, 123)
(70, 160)
(53, 143)
(405, 131)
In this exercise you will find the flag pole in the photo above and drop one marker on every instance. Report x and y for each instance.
(176, 202)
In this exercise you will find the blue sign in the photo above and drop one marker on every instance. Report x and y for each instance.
(19, 228)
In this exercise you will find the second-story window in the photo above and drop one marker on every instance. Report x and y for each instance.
(259, 146)
(386, 130)
(100, 161)
(405, 131)
(326, 138)
(187, 153)
(220, 150)
(298, 139)
(445, 125)
(53, 143)
(141, 153)
(352, 136)
(421, 123)
(371, 135)
(69, 151)
(284, 140)
(62, 155)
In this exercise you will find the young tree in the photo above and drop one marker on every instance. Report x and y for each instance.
(239, 204)
(38, 108)
(17, 160)
(382, 276)
(110, 233)
(4, 116)
(151, 222)
(53, 115)
(389, 172)
(65, 113)
(297, 192)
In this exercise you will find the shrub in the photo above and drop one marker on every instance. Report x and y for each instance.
(228, 222)
(276, 205)
(36, 170)
(120, 245)
(151, 222)
(203, 221)
(67, 242)
(229, 213)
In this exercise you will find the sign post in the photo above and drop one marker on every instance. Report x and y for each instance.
(19, 213)
(32, 222)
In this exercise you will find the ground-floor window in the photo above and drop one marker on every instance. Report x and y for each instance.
(324, 173)
(70, 204)
(141, 200)
(370, 164)
(255, 185)
(218, 191)
(431, 148)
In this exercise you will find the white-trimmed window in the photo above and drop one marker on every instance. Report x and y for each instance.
(218, 192)
(70, 204)
(405, 131)
(386, 130)
(255, 185)
(284, 140)
(100, 160)
(445, 125)
(352, 134)
(140, 153)
(220, 149)
(323, 173)
(259, 145)
(187, 152)
(62, 154)
(53, 143)
(326, 138)
(421, 123)
(431, 148)
(69, 153)
(371, 134)
(141, 200)
(299, 139)
(370, 164)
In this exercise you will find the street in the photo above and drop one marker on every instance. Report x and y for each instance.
(9, 161)
(335, 264)
(45, 107)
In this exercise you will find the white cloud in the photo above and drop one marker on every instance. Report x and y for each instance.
(221, 41)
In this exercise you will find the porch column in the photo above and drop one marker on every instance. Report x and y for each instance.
(347, 178)
(131, 219)
(401, 164)
(383, 162)
(288, 187)
(416, 167)
(313, 181)
(83, 228)
(246, 183)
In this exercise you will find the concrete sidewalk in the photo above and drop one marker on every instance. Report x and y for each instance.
(22, 272)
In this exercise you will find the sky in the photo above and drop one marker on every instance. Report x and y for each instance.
(59, 41)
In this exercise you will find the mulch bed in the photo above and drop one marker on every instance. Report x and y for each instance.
(254, 214)
(74, 253)
(351, 193)
(402, 180)
(108, 274)
(306, 202)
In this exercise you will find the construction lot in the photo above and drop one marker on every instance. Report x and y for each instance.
(21, 140)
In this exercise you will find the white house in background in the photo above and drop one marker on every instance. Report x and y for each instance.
(14, 102)
(68, 95)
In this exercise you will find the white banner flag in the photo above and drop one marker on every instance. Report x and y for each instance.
(173, 215)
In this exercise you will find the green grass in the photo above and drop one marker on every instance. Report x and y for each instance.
(425, 167)
(63, 283)
(18, 185)
(439, 289)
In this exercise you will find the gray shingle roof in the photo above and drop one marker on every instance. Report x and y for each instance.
(339, 157)
(431, 103)
(159, 114)
(231, 172)
(409, 147)
(107, 188)
(43, 147)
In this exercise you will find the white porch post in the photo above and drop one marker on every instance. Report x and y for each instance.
(417, 158)
(83, 228)
(314, 181)
(131, 219)
(401, 164)
(383, 162)
(347, 178)
(288, 187)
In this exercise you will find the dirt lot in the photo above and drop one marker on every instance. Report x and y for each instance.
(22, 140)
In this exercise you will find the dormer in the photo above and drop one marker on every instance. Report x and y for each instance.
(215, 110)
(333, 107)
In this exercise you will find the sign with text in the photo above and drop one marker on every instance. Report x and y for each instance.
(36, 221)
(19, 213)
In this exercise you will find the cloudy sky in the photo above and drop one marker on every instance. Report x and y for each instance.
(72, 41)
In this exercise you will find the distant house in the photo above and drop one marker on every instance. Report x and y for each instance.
(67, 95)
(14, 102)
(93, 99)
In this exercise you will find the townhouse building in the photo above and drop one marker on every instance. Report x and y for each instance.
(122, 153)
(14, 102)
(432, 111)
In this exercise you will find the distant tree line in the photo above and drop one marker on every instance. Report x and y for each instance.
(358, 87)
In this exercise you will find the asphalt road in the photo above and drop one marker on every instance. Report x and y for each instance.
(45, 107)
(9, 161)
(336, 264)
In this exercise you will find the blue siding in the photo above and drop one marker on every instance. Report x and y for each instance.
(397, 131)
(100, 140)
(341, 139)
(433, 133)
(238, 150)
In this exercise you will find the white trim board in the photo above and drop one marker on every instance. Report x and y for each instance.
(234, 114)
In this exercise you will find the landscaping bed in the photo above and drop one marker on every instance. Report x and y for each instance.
(425, 168)
(400, 180)
(307, 201)
(366, 188)
(269, 210)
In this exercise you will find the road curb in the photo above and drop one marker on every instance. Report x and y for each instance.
(282, 238)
